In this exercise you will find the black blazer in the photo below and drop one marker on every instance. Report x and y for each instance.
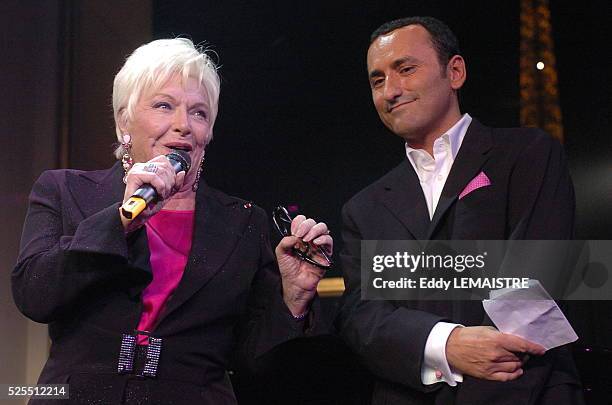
(78, 272)
(531, 197)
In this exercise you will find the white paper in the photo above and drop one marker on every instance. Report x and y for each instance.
(531, 314)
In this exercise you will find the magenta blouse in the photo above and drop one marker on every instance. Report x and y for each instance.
(170, 233)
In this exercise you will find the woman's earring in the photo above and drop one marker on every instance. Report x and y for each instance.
(126, 159)
(196, 184)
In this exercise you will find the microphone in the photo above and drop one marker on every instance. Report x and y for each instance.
(180, 161)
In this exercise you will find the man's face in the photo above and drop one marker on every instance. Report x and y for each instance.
(414, 96)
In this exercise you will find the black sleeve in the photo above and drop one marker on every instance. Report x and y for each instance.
(57, 266)
(390, 339)
(268, 322)
(541, 209)
(541, 195)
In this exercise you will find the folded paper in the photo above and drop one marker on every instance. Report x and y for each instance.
(531, 314)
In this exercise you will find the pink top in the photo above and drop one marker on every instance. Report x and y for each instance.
(170, 233)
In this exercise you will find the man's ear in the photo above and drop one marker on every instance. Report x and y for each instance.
(456, 71)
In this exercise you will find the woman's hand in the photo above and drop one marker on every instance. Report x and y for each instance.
(159, 173)
(299, 278)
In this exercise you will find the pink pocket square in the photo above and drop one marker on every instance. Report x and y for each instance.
(481, 180)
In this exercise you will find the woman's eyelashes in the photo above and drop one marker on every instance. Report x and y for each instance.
(197, 112)
(201, 114)
(164, 105)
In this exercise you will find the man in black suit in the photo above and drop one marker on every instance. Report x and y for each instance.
(461, 180)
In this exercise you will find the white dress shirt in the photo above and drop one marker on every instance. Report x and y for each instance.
(433, 172)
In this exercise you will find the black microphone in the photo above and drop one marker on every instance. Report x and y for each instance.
(180, 161)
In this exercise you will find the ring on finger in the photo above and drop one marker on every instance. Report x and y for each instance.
(150, 167)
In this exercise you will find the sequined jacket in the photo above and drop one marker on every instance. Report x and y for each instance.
(80, 273)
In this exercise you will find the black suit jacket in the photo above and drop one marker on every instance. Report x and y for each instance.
(531, 197)
(78, 272)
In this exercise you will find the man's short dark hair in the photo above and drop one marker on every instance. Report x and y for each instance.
(444, 41)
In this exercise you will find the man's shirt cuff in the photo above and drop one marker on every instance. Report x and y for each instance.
(435, 356)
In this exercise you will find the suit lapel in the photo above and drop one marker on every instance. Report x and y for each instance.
(219, 224)
(470, 159)
(403, 196)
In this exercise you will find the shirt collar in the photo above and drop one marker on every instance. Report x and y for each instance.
(454, 136)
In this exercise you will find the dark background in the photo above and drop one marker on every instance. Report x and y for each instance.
(296, 121)
(296, 117)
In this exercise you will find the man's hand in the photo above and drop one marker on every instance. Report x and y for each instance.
(483, 352)
(300, 279)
